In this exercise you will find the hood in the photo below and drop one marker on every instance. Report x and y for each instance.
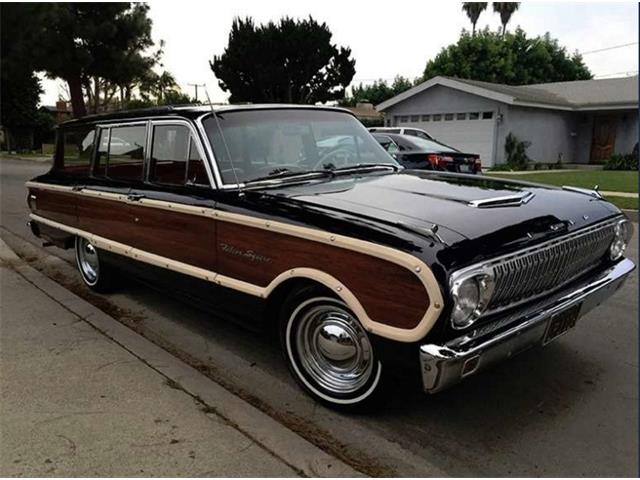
(485, 210)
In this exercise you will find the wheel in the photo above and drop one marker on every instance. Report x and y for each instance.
(329, 352)
(95, 274)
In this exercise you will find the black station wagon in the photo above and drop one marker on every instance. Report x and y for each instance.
(295, 216)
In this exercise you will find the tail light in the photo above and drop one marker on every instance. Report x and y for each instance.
(438, 161)
(477, 165)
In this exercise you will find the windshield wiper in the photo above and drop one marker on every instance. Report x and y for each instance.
(367, 166)
(285, 173)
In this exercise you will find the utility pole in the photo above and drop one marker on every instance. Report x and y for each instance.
(196, 85)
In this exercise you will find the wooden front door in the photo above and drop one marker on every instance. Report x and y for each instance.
(604, 138)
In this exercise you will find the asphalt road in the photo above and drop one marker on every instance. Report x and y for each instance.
(569, 409)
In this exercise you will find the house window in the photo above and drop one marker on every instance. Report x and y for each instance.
(404, 119)
(487, 115)
(448, 116)
(387, 122)
(474, 116)
(461, 116)
(437, 117)
(415, 118)
(426, 118)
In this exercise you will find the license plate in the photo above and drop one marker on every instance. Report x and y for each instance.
(561, 323)
(465, 168)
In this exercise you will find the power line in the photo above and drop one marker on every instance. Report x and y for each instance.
(609, 48)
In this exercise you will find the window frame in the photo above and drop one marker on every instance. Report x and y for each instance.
(149, 123)
(58, 163)
(192, 135)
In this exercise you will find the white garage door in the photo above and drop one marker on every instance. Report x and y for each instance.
(469, 136)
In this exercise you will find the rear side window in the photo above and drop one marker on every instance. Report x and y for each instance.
(76, 150)
(175, 160)
(121, 152)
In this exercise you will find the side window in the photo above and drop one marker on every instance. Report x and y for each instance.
(196, 171)
(126, 152)
(169, 154)
(175, 159)
(76, 150)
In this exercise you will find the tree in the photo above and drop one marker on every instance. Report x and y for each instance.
(95, 48)
(377, 92)
(506, 10)
(473, 11)
(291, 61)
(20, 87)
(514, 59)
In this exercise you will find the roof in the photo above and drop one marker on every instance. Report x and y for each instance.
(189, 111)
(612, 93)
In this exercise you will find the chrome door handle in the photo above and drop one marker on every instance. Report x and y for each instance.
(134, 197)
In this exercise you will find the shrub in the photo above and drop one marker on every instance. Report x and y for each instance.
(618, 161)
(516, 152)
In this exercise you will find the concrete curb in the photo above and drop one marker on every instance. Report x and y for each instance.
(43, 159)
(294, 450)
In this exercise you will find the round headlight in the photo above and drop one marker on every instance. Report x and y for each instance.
(620, 240)
(466, 298)
(471, 294)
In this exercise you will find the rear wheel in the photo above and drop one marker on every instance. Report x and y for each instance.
(96, 274)
(328, 351)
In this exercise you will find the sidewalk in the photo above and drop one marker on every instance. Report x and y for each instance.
(78, 402)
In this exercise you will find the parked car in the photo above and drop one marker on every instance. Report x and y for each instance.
(421, 154)
(356, 262)
(412, 132)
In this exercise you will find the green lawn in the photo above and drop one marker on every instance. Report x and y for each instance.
(608, 180)
(611, 180)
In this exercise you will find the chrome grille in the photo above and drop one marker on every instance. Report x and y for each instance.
(530, 273)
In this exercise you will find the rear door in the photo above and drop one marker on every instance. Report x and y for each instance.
(103, 207)
(172, 207)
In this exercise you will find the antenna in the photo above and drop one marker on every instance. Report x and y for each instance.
(224, 142)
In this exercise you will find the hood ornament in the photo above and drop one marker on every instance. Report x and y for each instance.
(503, 201)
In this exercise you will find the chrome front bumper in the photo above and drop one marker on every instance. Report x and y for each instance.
(445, 365)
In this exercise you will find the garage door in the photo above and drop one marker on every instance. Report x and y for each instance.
(468, 135)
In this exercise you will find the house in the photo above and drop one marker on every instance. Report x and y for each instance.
(573, 122)
(367, 114)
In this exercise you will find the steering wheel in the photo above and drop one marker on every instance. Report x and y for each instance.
(342, 156)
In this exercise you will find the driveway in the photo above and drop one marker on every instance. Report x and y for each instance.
(569, 409)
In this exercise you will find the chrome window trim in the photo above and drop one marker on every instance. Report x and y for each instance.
(194, 134)
(214, 163)
(488, 264)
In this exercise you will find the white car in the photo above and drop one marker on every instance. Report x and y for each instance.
(414, 132)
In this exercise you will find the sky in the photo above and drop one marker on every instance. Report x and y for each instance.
(386, 38)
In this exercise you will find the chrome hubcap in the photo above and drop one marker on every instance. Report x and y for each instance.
(334, 349)
(88, 260)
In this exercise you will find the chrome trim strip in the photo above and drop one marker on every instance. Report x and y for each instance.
(441, 365)
(584, 191)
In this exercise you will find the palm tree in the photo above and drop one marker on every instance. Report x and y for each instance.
(505, 9)
(473, 11)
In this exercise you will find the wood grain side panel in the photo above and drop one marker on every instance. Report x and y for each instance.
(390, 293)
(107, 218)
(179, 236)
(56, 205)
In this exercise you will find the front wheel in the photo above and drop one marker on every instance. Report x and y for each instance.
(329, 352)
(96, 274)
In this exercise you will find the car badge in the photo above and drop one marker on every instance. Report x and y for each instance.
(557, 226)
(585, 217)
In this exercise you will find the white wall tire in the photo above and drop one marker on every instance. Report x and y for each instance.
(95, 273)
(328, 351)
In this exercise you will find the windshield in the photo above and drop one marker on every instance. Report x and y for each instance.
(430, 146)
(265, 143)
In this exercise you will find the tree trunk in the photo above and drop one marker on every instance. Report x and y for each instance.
(77, 100)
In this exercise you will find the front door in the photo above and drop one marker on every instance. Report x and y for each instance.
(604, 138)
